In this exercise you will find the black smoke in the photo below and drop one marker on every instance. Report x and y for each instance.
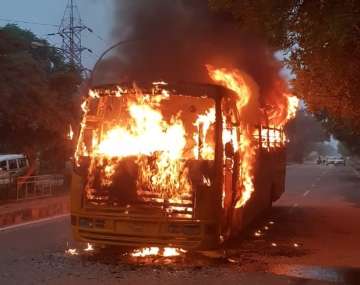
(175, 39)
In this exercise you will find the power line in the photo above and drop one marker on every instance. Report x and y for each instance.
(97, 35)
(51, 25)
(28, 22)
(70, 31)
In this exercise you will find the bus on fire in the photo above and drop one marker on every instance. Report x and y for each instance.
(174, 165)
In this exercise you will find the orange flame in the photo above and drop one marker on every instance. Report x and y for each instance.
(89, 247)
(283, 111)
(234, 80)
(156, 251)
(150, 127)
(72, 251)
(293, 104)
(202, 149)
(148, 134)
(70, 134)
(270, 138)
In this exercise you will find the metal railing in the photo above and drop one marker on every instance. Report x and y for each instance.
(14, 188)
(38, 186)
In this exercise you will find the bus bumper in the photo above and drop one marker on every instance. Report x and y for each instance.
(144, 232)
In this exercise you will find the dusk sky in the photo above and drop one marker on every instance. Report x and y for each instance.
(96, 14)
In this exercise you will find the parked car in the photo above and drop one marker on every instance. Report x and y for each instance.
(335, 161)
(13, 164)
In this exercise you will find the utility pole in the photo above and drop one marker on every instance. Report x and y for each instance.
(70, 31)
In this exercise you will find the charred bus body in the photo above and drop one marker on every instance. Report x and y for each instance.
(160, 165)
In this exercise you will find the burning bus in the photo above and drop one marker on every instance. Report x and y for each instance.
(179, 165)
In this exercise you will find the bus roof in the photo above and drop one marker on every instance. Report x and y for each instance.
(183, 88)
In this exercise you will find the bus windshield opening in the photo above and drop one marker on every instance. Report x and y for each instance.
(146, 147)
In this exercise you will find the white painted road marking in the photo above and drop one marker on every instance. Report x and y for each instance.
(306, 193)
(17, 226)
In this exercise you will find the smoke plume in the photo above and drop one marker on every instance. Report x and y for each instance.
(175, 39)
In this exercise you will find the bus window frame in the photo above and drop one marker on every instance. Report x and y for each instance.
(218, 146)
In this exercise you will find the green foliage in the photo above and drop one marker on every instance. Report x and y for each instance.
(347, 134)
(322, 41)
(37, 93)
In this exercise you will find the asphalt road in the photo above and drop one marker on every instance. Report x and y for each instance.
(313, 231)
(311, 236)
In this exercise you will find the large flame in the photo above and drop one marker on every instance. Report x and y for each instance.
(293, 104)
(202, 149)
(148, 126)
(283, 111)
(235, 80)
(157, 144)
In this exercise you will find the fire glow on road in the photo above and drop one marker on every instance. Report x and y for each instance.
(157, 251)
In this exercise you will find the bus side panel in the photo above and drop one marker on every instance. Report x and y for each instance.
(76, 196)
(279, 174)
(269, 180)
(243, 216)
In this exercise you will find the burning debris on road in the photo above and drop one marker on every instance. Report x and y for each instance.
(156, 251)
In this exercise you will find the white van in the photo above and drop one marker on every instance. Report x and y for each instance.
(14, 164)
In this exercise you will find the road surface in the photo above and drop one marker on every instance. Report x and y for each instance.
(311, 236)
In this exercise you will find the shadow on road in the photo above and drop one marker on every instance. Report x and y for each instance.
(268, 245)
(348, 276)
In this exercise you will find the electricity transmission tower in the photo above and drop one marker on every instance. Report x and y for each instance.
(70, 31)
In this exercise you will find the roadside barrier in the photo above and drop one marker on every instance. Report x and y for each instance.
(24, 211)
(31, 187)
(38, 186)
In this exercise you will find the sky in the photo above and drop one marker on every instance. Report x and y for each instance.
(96, 14)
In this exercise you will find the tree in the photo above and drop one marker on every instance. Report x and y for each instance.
(37, 93)
(322, 41)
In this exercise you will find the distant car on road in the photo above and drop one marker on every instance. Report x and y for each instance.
(335, 160)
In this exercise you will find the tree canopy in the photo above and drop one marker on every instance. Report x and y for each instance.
(322, 43)
(37, 93)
